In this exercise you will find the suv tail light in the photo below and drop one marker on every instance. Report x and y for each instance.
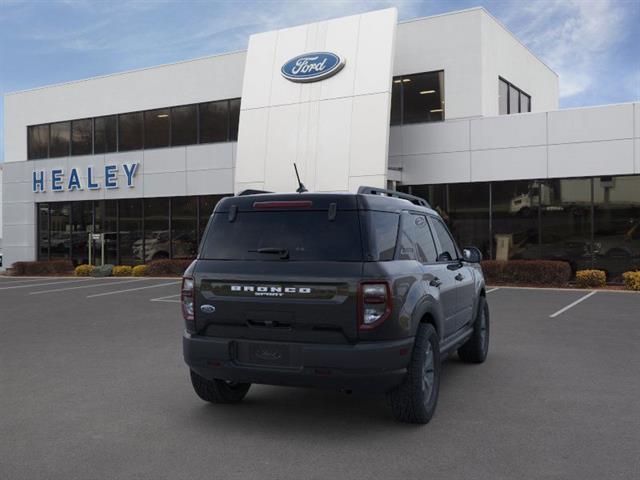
(374, 304)
(186, 298)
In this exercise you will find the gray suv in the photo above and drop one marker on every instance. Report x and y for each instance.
(365, 292)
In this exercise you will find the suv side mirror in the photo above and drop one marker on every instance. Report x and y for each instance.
(471, 255)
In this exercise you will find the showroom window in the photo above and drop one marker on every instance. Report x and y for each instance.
(511, 99)
(159, 128)
(135, 230)
(38, 141)
(59, 139)
(105, 134)
(82, 137)
(417, 98)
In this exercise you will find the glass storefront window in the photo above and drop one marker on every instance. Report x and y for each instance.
(130, 232)
(81, 227)
(60, 236)
(156, 128)
(503, 97)
(418, 98)
(105, 134)
(157, 243)
(214, 121)
(82, 137)
(59, 139)
(184, 227)
(43, 231)
(616, 229)
(184, 125)
(38, 141)
(130, 131)
(234, 118)
(106, 222)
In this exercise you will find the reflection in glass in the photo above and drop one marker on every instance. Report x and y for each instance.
(60, 239)
(130, 131)
(214, 121)
(43, 231)
(514, 100)
(184, 125)
(38, 141)
(234, 118)
(156, 229)
(503, 97)
(81, 226)
(59, 139)
(81, 137)
(156, 128)
(184, 225)
(131, 241)
(105, 134)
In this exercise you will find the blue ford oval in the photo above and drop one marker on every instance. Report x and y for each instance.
(311, 67)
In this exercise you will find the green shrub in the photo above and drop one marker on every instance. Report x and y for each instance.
(631, 280)
(84, 270)
(47, 267)
(140, 270)
(102, 271)
(591, 278)
(527, 272)
(168, 268)
(122, 271)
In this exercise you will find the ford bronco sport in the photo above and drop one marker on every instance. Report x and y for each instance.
(364, 291)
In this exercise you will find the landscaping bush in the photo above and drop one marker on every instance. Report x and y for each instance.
(140, 270)
(102, 271)
(591, 278)
(527, 272)
(167, 268)
(631, 280)
(122, 271)
(84, 270)
(46, 267)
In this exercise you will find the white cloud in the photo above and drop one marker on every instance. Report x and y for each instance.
(573, 36)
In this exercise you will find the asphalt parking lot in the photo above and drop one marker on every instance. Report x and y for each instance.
(92, 386)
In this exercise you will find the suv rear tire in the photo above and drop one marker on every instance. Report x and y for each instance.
(476, 348)
(218, 391)
(414, 401)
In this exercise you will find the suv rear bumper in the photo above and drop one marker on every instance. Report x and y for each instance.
(366, 366)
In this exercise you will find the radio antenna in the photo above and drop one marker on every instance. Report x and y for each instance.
(301, 187)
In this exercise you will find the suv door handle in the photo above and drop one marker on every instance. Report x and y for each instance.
(435, 282)
(459, 277)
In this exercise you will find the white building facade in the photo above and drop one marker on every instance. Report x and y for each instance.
(452, 107)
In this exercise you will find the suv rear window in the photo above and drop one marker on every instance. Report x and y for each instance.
(304, 235)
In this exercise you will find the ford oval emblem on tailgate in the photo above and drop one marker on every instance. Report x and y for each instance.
(207, 308)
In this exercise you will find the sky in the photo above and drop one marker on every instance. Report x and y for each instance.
(593, 45)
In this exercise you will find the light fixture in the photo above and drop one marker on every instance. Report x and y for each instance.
(163, 115)
(425, 92)
(397, 81)
(436, 110)
(406, 79)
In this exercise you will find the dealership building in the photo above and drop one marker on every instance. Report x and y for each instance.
(453, 108)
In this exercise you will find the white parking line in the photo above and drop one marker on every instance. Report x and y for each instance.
(493, 290)
(133, 289)
(571, 305)
(95, 284)
(168, 298)
(44, 284)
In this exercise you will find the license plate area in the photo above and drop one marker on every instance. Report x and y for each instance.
(264, 354)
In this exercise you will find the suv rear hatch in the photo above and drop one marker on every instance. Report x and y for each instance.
(282, 268)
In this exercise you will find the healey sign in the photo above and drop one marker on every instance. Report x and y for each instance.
(57, 181)
(312, 67)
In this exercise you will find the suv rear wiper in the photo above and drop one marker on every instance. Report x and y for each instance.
(283, 252)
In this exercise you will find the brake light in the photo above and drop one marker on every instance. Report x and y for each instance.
(186, 298)
(374, 304)
(284, 204)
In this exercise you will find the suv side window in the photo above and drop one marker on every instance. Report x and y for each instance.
(416, 241)
(448, 250)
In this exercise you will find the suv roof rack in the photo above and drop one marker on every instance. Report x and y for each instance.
(251, 191)
(393, 193)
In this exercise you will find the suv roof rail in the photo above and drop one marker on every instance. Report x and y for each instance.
(393, 193)
(251, 191)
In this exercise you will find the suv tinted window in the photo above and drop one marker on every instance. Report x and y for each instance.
(448, 247)
(416, 241)
(305, 235)
(383, 233)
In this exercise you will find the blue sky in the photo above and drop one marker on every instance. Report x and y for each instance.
(594, 45)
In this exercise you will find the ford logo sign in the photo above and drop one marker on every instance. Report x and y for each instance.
(312, 67)
(207, 308)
